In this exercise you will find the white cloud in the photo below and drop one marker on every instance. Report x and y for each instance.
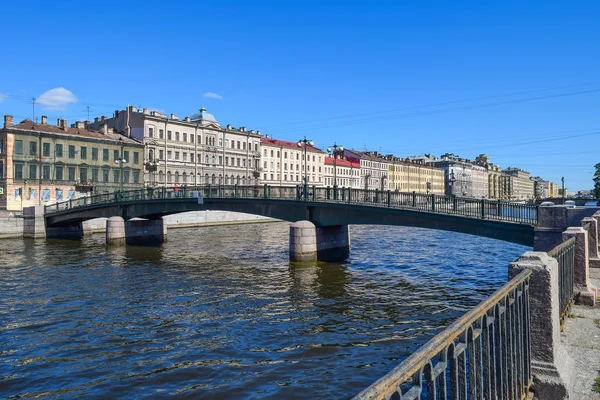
(2, 97)
(211, 95)
(57, 99)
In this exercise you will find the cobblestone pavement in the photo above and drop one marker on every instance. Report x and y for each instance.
(581, 338)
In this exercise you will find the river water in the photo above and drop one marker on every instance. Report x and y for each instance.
(220, 312)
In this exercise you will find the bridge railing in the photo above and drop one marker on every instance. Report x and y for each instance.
(484, 354)
(475, 208)
(564, 254)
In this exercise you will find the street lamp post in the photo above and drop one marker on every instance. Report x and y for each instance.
(151, 164)
(24, 184)
(120, 161)
(563, 189)
(333, 150)
(306, 142)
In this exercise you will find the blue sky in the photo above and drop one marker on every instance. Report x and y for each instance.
(516, 80)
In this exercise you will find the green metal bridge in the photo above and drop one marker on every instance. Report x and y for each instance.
(508, 221)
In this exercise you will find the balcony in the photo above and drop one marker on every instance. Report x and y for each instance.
(84, 186)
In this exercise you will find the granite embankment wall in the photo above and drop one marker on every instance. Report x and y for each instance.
(12, 226)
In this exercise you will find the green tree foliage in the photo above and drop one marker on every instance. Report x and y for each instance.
(596, 179)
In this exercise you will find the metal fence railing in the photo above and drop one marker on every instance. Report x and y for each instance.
(564, 254)
(498, 210)
(484, 354)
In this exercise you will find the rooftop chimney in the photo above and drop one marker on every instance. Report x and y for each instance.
(79, 125)
(228, 126)
(96, 119)
(103, 118)
(86, 124)
(104, 129)
(187, 119)
(145, 111)
(174, 117)
(243, 129)
(44, 120)
(8, 121)
(65, 124)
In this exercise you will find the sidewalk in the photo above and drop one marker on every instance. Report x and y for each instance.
(581, 338)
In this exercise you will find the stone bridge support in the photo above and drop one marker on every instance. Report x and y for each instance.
(551, 366)
(594, 240)
(34, 225)
(585, 293)
(326, 243)
(554, 220)
(146, 232)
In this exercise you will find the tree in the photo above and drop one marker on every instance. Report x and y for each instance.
(596, 180)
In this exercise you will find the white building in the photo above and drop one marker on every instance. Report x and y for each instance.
(346, 173)
(373, 169)
(195, 150)
(285, 163)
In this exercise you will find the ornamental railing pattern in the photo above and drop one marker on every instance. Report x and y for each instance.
(484, 354)
(564, 254)
(475, 208)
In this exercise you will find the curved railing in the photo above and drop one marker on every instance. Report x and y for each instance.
(475, 208)
(484, 354)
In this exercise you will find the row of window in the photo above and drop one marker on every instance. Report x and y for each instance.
(343, 171)
(285, 178)
(189, 178)
(72, 151)
(285, 166)
(210, 139)
(71, 173)
(285, 155)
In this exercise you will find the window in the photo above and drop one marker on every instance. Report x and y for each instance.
(220, 142)
(83, 152)
(184, 136)
(191, 138)
(71, 173)
(18, 147)
(150, 132)
(244, 146)
(126, 156)
(18, 171)
(168, 135)
(255, 146)
(46, 149)
(71, 151)
(105, 173)
(285, 154)
(191, 157)
(83, 176)
(238, 144)
(136, 157)
(116, 155)
(161, 154)
(58, 171)
(95, 153)
(46, 172)
(104, 154)
(184, 156)
(161, 134)
(220, 160)
(136, 176)
(95, 174)
(177, 155)
(32, 148)
(59, 150)
(177, 136)
(233, 144)
(116, 175)
(126, 176)
(168, 154)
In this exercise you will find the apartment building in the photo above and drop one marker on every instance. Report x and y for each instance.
(41, 163)
(194, 150)
(373, 168)
(517, 184)
(407, 176)
(286, 163)
(342, 173)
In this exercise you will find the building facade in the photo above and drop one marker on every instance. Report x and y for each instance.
(495, 185)
(517, 184)
(342, 172)
(463, 178)
(373, 169)
(42, 164)
(194, 150)
(285, 163)
(406, 176)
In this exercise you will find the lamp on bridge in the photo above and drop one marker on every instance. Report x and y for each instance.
(333, 150)
(151, 164)
(306, 142)
(21, 193)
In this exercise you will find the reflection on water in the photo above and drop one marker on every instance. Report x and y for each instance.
(220, 311)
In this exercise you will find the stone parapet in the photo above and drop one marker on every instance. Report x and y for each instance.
(585, 292)
(551, 366)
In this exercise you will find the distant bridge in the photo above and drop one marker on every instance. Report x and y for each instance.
(324, 207)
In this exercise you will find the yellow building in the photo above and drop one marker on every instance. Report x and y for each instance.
(407, 176)
(41, 163)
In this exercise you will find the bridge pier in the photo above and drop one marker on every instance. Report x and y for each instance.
(144, 232)
(325, 243)
(34, 226)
